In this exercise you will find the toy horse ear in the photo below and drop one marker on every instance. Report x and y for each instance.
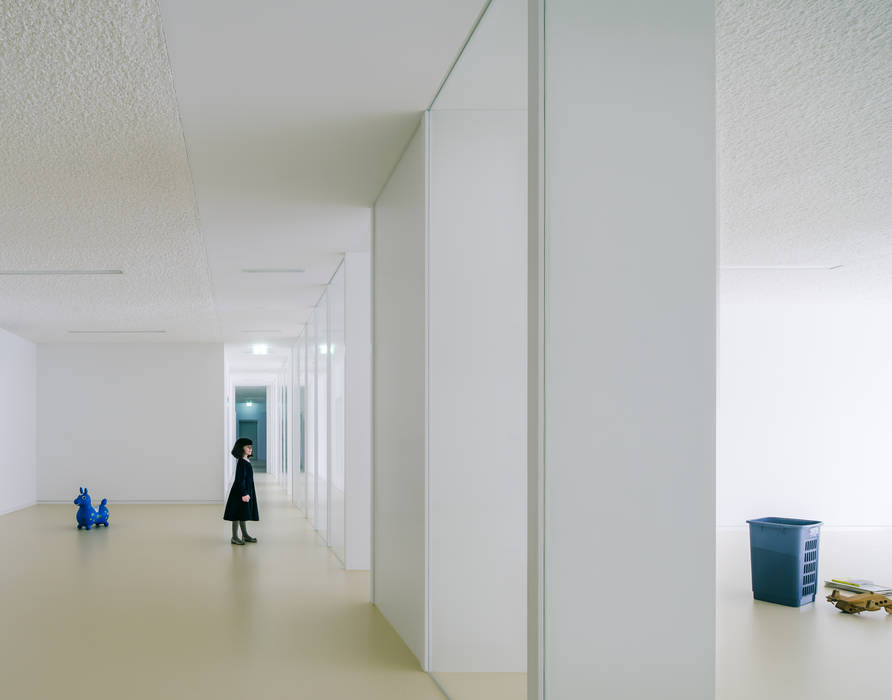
(82, 489)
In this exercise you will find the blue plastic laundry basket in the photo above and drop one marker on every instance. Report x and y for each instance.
(784, 559)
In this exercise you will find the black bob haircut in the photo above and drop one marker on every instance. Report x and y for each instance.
(238, 450)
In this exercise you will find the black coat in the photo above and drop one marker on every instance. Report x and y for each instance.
(242, 485)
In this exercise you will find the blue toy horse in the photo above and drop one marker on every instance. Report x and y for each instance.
(87, 515)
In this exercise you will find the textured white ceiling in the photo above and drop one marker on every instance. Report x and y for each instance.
(293, 115)
(93, 174)
(804, 100)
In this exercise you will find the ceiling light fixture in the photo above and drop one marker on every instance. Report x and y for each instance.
(59, 272)
(260, 331)
(260, 349)
(271, 270)
(249, 404)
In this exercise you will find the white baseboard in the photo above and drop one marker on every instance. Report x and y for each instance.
(19, 507)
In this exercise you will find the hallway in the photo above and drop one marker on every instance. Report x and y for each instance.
(161, 605)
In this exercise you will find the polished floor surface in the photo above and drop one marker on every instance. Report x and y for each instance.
(483, 686)
(773, 652)
(161, 605)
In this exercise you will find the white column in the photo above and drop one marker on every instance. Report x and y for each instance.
(623, 175)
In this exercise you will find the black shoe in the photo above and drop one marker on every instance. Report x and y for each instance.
(248, 538)
(236, 540)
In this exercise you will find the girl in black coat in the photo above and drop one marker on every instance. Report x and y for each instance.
(242, 502)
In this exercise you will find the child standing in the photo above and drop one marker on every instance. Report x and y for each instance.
(242, 502)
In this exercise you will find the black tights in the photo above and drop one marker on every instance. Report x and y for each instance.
(235, 526)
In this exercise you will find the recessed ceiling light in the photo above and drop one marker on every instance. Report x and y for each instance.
(109, 331)
(780, 267)
(271, 270)
(61, 272)
(260, 349)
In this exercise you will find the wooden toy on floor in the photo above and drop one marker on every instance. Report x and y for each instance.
(860, 602)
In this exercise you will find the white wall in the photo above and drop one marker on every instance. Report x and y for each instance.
(477, 368)
(399, 353)
(18, 391)
(229, 426)
(299, 428)
(132, 422)
(358, 450)
(312, 403)
(321, 422)
(337, 414)
(629, 467)
(804, 411)
(477, 359)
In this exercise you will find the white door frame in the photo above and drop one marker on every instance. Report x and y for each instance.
(271, 381)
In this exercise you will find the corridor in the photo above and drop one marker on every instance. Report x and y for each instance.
(161, 605)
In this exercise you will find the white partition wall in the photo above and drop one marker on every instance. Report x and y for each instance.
(477, 354)
(399, 406)
(336, 412)
(18, 422)
(311, 420)
(330, 405)
(623, 176)
(284, 425)
(358, 378)
(450, 368)
(299, 429)
(323, 392)
(477, 370)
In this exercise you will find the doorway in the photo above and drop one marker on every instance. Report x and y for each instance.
(251, 421)
(248, 429)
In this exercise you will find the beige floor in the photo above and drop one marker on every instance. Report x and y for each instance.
(772, 652)
(483, 686)
(161, 605)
